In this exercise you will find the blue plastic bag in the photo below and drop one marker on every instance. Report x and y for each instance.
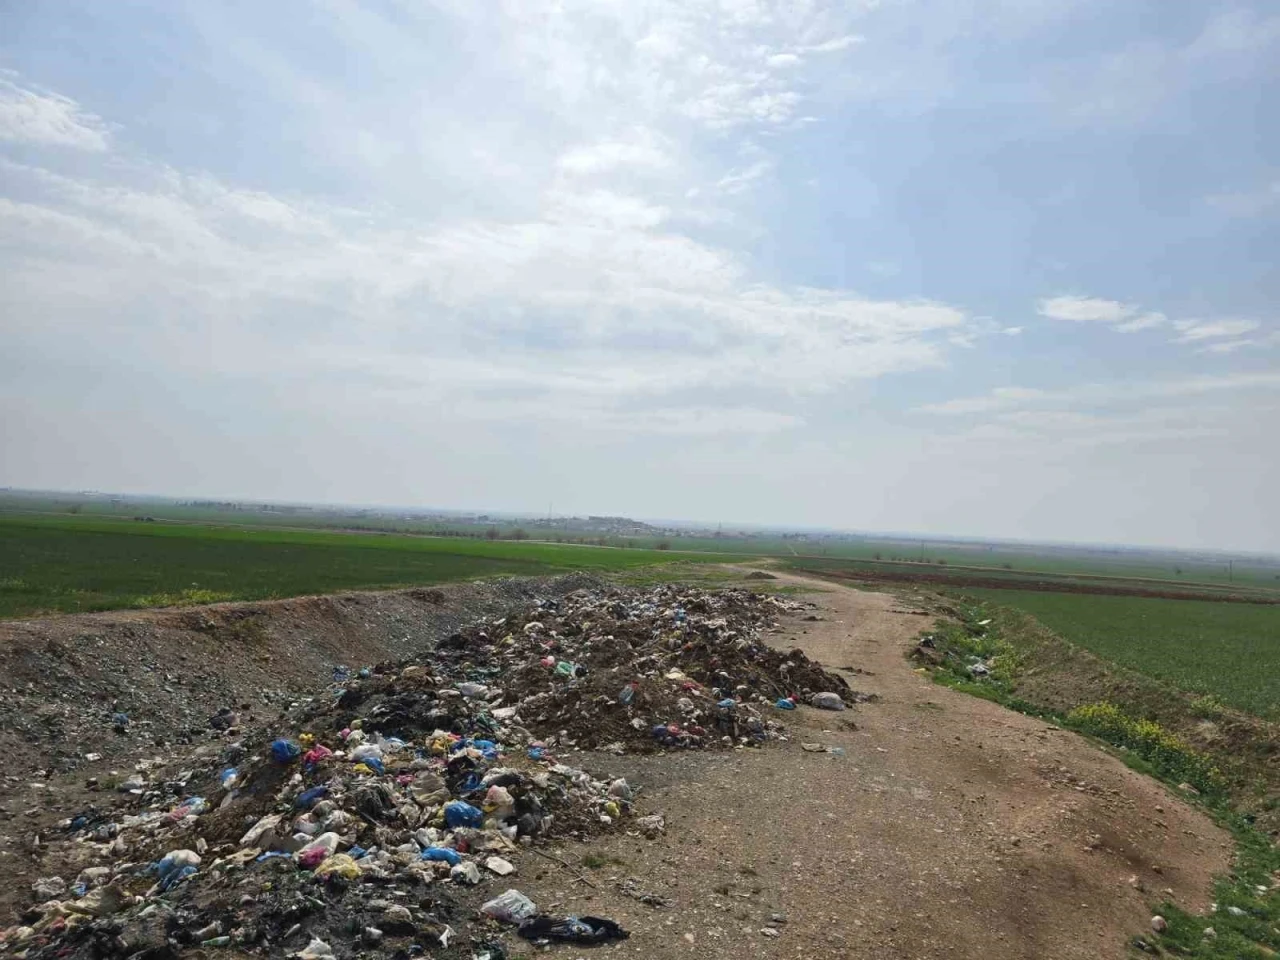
(443, 854)
(309, 798)
(457, 813)
(285, 751)
(784, 704)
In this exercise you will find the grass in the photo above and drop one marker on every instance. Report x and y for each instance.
(597, 861)
(75, 564)
(972, 578)
(1179, 568)
(1228, 652)
(1246, 922)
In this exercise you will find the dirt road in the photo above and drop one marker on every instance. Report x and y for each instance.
(950, 828)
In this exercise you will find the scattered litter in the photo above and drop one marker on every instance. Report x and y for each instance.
(570, 929)
(631, 887)
(499, 866)
(434, 772)
(827, 701)
(510, 907)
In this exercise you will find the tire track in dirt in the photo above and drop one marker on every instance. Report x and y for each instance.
(951, 827)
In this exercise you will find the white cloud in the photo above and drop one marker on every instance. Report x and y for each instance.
(1132, 82)
(835, 44)
(1143, 321)
(783, 60)
(46, 119)
(1011, 331)
(1194, 331)
(1104, 395)
(606, 156)
(1124, 317)
(999, 398)
(1086, 309)
(741, 180)
(598, 289)
(1251, 203)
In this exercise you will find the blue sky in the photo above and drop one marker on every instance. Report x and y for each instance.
(981, 267)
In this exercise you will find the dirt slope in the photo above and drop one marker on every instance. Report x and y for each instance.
(951, 828)
(168, 670)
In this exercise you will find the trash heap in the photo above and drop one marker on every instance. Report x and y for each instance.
(383, 820)
(668, 667)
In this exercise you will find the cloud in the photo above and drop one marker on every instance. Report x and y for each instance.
(1085, 309)
(1143, 321)
(1011, 331)
(598, 288)
(999, 398)
(835, 44)
(741, 180)
(1195, 331)
(607, 156)
(1252, 203)
(1124, 317)
(1005, 399)
(1132, 82)
(28, 115)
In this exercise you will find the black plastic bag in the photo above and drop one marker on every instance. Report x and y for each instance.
(584, 930)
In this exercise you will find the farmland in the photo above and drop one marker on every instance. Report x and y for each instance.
(92, 562)
(1228, 650)
(74, 564)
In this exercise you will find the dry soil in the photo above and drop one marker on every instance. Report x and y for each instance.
(950, 827)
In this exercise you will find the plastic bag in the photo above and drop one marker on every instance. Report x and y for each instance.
(461, 814)
(285, 751)
(572, 929)
(499, 803)
(365, 751)
(510, 907)
(339, 865)
(827, 701)
(316, 754)
(309, 798)
(443, 855)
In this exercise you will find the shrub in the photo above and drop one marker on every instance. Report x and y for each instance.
(1167, 753)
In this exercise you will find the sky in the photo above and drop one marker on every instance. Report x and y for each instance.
(1002, 268)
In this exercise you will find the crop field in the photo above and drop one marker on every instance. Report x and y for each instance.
(79, 564)
(961, 577)
(1230, 651)
(944, 556)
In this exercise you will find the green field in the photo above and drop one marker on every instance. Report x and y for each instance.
(969, 577)
(1176, 567)
(88, 563)
(1228, 650)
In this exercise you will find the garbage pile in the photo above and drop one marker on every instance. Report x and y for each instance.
(669, 667)
(377, 823)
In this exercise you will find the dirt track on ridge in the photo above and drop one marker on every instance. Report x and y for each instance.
(951, 828)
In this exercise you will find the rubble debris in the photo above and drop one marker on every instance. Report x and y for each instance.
(360, 821)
